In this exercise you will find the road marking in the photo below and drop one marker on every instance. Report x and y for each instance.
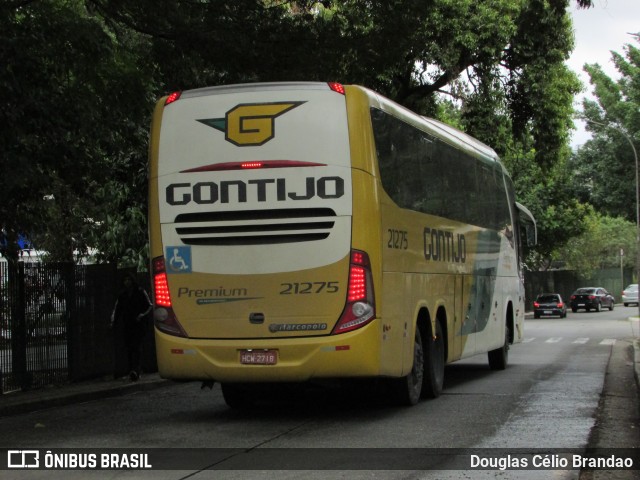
(579, 340)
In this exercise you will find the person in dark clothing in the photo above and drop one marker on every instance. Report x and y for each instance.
(129, 314)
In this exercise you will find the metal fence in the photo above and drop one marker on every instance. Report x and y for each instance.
(55, 324)
(565, 282)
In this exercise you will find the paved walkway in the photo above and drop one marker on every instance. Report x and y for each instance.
(37, 399)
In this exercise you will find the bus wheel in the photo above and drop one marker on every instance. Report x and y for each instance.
(499, 357)
(236, 395)
(434, 365)
(406, 390)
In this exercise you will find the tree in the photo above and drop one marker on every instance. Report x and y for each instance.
(605, 166)
(81, 76)
(600, 245)
(77, 98)
(559, 215)
(408, 50)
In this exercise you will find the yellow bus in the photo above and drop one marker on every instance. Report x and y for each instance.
(310, 231)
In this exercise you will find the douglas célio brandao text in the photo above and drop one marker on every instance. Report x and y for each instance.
(549, 462)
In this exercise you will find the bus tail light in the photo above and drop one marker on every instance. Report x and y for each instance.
(253, 165)
(337, 87)
(163, 316)
(172, 98)
(360, 307)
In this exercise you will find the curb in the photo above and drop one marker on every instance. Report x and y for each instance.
(636, 361)
(26, 402)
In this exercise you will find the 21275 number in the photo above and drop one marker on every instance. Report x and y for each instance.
(305, 288)
(398, 239)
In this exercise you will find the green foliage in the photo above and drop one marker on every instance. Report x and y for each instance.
(559, 215)
(78, 99)
(603, 171)
(80, 76)
(604, 175)
(510, 53)
(541, 87)
(600, 245)
(605, 166)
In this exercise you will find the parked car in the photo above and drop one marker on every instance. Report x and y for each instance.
(591, 298)
(630, 294)
(549, 304)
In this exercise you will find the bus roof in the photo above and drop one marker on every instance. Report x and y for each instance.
(254, 87)
(445, 132)
(460, 136)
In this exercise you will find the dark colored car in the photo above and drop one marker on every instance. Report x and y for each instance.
(549, 304)
(592, 298)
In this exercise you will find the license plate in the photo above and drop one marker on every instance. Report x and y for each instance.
(581, 304)
(548, 312)
(258, 357)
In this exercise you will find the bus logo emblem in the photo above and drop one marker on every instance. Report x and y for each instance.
(250, 124)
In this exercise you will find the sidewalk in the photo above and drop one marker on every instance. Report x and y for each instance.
(636, 361)
(32, 400)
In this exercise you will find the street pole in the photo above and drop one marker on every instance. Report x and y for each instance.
(622, 269)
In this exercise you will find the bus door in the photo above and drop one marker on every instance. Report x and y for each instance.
(469, 313)
(455, 349)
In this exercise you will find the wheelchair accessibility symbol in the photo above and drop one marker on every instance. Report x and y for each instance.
(178, 259)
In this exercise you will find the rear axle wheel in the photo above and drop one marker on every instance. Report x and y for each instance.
(407, 390)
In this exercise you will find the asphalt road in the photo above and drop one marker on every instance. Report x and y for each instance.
(563, 389)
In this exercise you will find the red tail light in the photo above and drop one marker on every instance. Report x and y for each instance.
(172, 98)
(161, 289)
(360, 307)
(536, 305)
(337, 87)
(560, 304)
(592, 297)
(251, 165)
(163, 316)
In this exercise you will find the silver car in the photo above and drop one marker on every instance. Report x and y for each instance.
(630, 295)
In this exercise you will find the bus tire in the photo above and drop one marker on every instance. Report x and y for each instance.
(499, 357)
(434, 365)
(407, 390)
(236, 396)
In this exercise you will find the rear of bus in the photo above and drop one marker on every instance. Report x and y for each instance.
(258, 273)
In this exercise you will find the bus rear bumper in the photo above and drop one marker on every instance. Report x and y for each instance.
(352, 354)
